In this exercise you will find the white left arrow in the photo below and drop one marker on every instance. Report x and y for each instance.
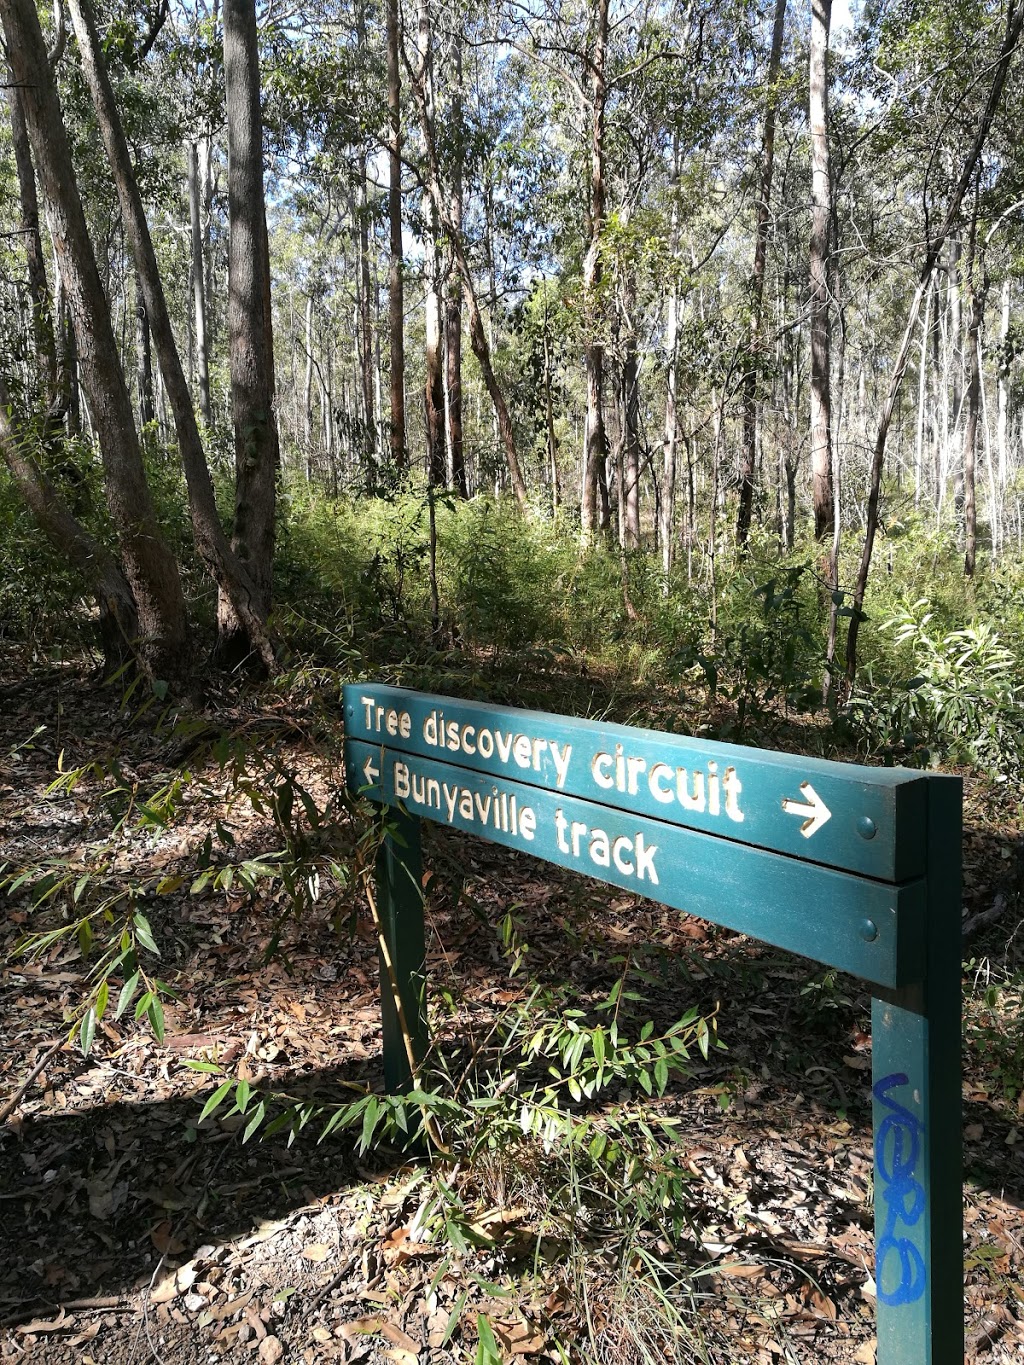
(812, 807)
(370, 771)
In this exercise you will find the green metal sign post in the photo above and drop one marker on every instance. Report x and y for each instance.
(857, 868)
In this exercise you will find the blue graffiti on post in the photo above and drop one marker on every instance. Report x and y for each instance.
(897, 1149)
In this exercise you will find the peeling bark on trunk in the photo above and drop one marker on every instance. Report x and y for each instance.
(149, 566)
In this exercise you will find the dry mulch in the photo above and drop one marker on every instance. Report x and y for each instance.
(133, 1233)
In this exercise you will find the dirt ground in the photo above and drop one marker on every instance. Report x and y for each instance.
(130, 1232)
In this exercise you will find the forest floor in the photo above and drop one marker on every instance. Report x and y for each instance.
(133, 1233)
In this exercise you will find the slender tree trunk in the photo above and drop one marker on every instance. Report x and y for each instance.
(922, 400)
(143, 356)
(250, 340)
(629, 488)
(307, 392)
(433, 387)
(1003, 389)
(670, 434)
(549, 421)
(1014, 24)
(369, 441)
(750, 379)
(976, 306)
(592, 514)
(820, 304)
(149, 566)
(453, 294)
(396, 298)
(198, 283)
(234, 580)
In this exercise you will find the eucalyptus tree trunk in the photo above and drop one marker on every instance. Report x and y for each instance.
(149, 567)
(198, 282)
(433, 385)
(629, 488)
(250, 338)
(396, 295)
(143, 356)
(453, 294)
(549, 421)
(820, 309)
(1003, 390)
(365, 321)
(976, 304)
(365, 317)
(592, 513)
(748, 450)
(234, 581)
(670, 434)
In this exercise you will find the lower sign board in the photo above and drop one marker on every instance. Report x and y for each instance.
(854, 867)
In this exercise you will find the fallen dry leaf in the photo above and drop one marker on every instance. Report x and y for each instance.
(399, 1338)
(60, 1323)
(270, 1351)
(316, 1252)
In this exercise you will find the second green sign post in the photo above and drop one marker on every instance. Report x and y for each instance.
(857, 868)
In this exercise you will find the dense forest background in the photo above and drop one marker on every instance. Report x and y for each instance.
(695, 309)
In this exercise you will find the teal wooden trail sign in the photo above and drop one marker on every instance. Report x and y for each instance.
(857, 868)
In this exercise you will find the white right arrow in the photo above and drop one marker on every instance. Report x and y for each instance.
(813, 808)
(371, 772)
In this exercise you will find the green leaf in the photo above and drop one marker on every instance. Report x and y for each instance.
(597, 1042)
(144, 933)
(143, 1003)
(102, 996)
(369, 1122)
(156, 1017)
(487, 1352)
(242, 1093)
(127, 991)
(85, 936)
(198, 1064)
(661, 1075)
(87, 1031)
(216, 1100)
(166, 885)
(258, 1116)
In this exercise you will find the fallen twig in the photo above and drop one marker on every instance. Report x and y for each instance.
(9, 1107)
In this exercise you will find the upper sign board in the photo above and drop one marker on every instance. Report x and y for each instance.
(869, 821)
